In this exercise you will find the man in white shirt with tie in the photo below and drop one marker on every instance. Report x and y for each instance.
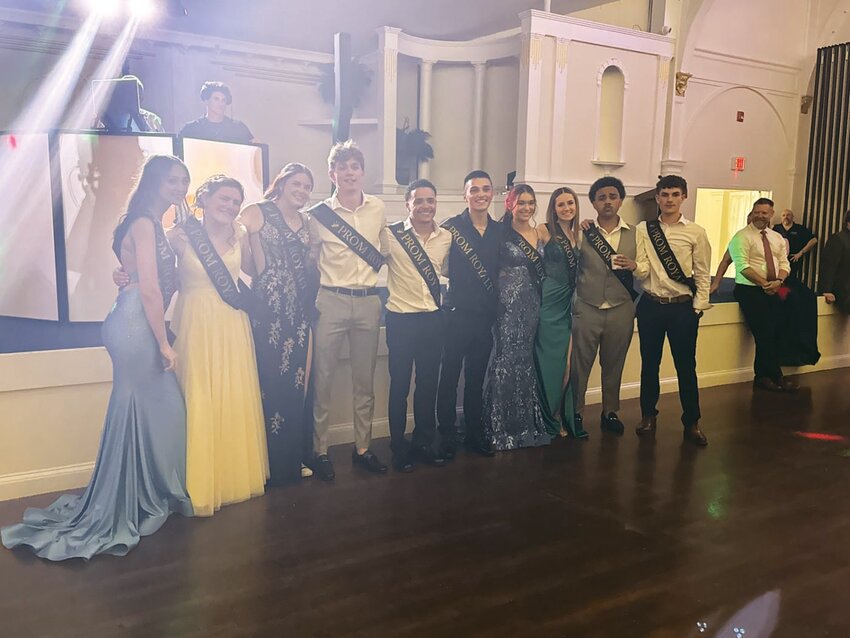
(348, 303)
(674, 266)
(761, 266)
(417, 252)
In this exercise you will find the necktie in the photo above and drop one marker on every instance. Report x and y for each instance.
(768, 257)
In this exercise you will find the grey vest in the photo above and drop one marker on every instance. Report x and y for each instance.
(596, 283)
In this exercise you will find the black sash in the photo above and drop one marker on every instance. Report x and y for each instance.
(604, 250)
(349, 236)
(472, 258)
(292, 245)
(569, 251)
(166, 268)
(532, 256)
(666, 256)
(419, 258)
(236, 295)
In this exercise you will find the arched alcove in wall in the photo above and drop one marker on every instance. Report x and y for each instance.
(612, 95)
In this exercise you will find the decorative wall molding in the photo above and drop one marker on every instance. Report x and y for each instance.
(757, 63)
(61, 31)
(561, 26)
(497, 46)
(615, 62)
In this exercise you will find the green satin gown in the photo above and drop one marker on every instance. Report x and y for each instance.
(552, 344)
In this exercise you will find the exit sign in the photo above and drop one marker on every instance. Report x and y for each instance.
(738, 164)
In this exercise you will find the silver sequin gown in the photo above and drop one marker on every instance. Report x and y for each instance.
(513, 417)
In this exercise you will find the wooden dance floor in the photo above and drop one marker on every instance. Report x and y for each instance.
(614, 537)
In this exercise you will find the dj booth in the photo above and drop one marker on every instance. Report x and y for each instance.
(56, 257)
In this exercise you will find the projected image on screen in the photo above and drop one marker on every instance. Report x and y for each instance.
(239, 161)
(27, 259)
(98, 174)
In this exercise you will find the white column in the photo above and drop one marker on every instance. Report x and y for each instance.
(425, 71)
(478, 114)
(558, 160)
(547, 6)
(529, 163)
(387, 73)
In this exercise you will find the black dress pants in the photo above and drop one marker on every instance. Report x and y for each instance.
(679, 323)
(763, 314)
(414, 339)
(468, 342)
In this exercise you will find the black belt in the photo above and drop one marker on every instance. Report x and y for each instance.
(352, 292)
(668, 300)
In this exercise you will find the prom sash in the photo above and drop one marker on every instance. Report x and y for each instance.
(465, 246)
(535, 261)
(567, 247)
(606, 252)
(666, 256)
(346, 233)
(166, 267)
(292, 245)
(419, 257)
(236, 295)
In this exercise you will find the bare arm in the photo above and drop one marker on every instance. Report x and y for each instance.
(725, 262)
(248, 266)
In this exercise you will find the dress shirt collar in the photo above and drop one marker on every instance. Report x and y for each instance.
(335, 204)
(621, 225)
(682, 220)
(435, 230)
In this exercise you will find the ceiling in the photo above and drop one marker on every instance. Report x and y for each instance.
(311, 24)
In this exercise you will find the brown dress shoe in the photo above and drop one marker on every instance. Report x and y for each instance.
(788, 385)
(646, 426)
(765, 383)
(695, 435)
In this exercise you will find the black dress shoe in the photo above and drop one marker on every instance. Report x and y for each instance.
(647, 425)
(581, 433)
(448, 450)
(611, 423)
(788, 385)
(696, 436)
(323, 468)
(765, 383)
(402, 463)
(368, 461)
(426, 456)
(479, 447)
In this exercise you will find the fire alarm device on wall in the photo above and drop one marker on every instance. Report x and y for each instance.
(738, 164)
(740, 116)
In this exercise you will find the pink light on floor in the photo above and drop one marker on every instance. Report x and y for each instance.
(821, 436)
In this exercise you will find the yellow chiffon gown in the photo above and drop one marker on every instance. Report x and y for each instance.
(226, 454)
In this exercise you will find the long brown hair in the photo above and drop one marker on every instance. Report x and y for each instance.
(286, 173)
(552, 216)
(154, 172)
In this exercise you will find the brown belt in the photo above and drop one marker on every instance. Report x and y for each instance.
(668, 300)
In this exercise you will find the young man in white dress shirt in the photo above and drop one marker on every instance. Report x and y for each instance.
(674, 266)
(348, 303)
(417, 252)
(761, 266)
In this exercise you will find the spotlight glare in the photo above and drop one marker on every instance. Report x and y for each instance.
(104, 8)
(142, 9)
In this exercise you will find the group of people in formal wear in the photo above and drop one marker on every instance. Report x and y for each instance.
(239, 395)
